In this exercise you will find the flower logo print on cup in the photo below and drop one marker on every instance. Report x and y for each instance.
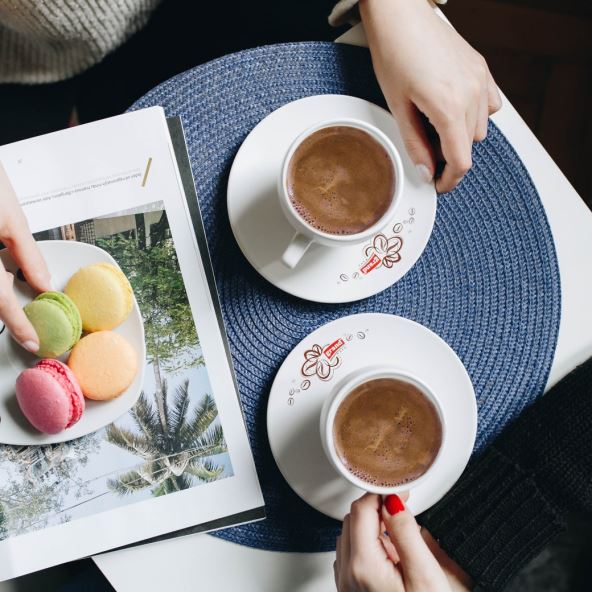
(385, 250)
(321, 362)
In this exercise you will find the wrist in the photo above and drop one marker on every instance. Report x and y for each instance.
(351, 11)
(369, 8)
(394, 30)
(390, 19)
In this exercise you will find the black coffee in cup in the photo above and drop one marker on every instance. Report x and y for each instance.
(387, 432)
(341, 180)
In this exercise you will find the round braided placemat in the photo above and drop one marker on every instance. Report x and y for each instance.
(488, 282)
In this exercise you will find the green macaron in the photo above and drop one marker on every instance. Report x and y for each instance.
(57, 322)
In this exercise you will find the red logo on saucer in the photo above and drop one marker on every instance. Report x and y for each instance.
(333, 348)
(371, 264)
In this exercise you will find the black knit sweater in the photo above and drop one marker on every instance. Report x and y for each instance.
(514, 498)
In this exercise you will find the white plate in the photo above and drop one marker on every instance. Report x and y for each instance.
(300, 387)
(63, 258)
(262, 232)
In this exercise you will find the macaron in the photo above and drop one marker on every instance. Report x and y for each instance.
(57, 322)
(49, 396)
(105, 365)
(103, 296)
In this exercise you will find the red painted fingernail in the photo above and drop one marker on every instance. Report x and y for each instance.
(394, 504)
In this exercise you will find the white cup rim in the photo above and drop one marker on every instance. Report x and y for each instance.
(386, 143)
(342, 390)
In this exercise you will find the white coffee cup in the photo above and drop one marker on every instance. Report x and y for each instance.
(334, 400)
(306, 234)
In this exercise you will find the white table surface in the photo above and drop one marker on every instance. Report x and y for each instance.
(210, 563)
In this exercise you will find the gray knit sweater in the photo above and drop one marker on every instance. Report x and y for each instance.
(50, 40)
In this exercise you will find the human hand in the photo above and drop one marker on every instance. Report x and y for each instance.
(368, 560)
(458, 579)
(428, 71)
(15, 234)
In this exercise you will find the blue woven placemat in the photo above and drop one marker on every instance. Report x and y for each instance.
(488, 282)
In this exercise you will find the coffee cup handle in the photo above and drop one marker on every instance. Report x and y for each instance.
(295, 250)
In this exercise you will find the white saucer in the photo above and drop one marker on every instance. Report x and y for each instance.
(324, 274)
(63, 258)
(308, 375)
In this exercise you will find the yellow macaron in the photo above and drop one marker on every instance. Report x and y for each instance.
(105, 365)
(103, 296)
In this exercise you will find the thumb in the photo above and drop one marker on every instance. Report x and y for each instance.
(420, 569)
(13, 316)
(416, 140)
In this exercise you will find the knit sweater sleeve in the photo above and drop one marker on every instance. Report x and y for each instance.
(346, 11)
(513, 499)
(43, 41)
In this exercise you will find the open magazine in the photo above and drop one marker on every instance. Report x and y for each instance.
(179, 460)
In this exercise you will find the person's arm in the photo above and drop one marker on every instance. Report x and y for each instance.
(347, 11)
(15, 234)
(429, 73)
(513, 499)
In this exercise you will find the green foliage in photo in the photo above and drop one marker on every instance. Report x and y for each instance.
(152, 267)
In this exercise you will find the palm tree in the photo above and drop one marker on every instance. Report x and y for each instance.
(175, 448)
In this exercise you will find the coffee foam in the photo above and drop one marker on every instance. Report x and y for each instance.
(387, 432)
(340, 180)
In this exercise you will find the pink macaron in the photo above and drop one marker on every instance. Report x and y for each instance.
(49, 396)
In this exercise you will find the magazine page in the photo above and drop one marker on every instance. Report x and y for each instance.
(179, 458)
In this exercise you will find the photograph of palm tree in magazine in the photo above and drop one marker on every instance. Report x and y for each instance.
(171, 440)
